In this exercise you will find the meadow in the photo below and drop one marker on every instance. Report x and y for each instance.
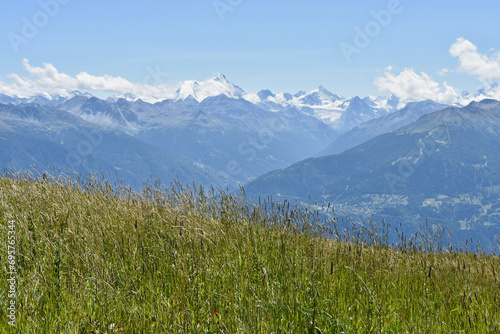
(95, 257)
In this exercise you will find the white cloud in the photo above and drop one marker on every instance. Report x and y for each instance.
(48, 79)
(443, 72)
(474, 63)
(410, 86)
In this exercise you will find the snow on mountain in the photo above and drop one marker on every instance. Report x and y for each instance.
(319, 98)
(337, 111)
(46, 98)
(208, 88)
(491, 91)
(189, 90)
(127, 96)
(42, 99)
(388, 103)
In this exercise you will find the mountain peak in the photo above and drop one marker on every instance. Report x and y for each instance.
(218, 85)
(485, 105)
(327, 94)
(265, 93)
(488, 102)
(300, 93)
(322, 89)
(221, 78)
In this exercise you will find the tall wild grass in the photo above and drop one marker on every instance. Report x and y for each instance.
(93, 257)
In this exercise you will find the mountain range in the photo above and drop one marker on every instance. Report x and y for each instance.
(231, 136)
(371, 157)
(385, 124)
(443, 168)
(33, 136)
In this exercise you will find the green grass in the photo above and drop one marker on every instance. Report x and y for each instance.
(91, 259)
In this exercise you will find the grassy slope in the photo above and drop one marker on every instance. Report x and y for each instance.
(177, 262)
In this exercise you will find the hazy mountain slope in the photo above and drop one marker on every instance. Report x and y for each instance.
(388, 123)
(230, 137)
(445, 166)
(32, 134)
(234, 136)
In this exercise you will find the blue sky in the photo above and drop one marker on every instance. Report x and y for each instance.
(278, 45)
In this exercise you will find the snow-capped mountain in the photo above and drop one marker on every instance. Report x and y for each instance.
(337, 112)
(340, 113)
(128, 96)
(319, 98)
(190, 90)
(42, 99)
(208, 88)
(490, 91)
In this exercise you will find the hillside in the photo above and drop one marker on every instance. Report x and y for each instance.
(45, 137)
(444, 168)
(91, 259)
(378, 126)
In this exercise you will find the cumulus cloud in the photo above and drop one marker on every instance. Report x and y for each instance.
(474, 63)
(48, 80)
(410, 86)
